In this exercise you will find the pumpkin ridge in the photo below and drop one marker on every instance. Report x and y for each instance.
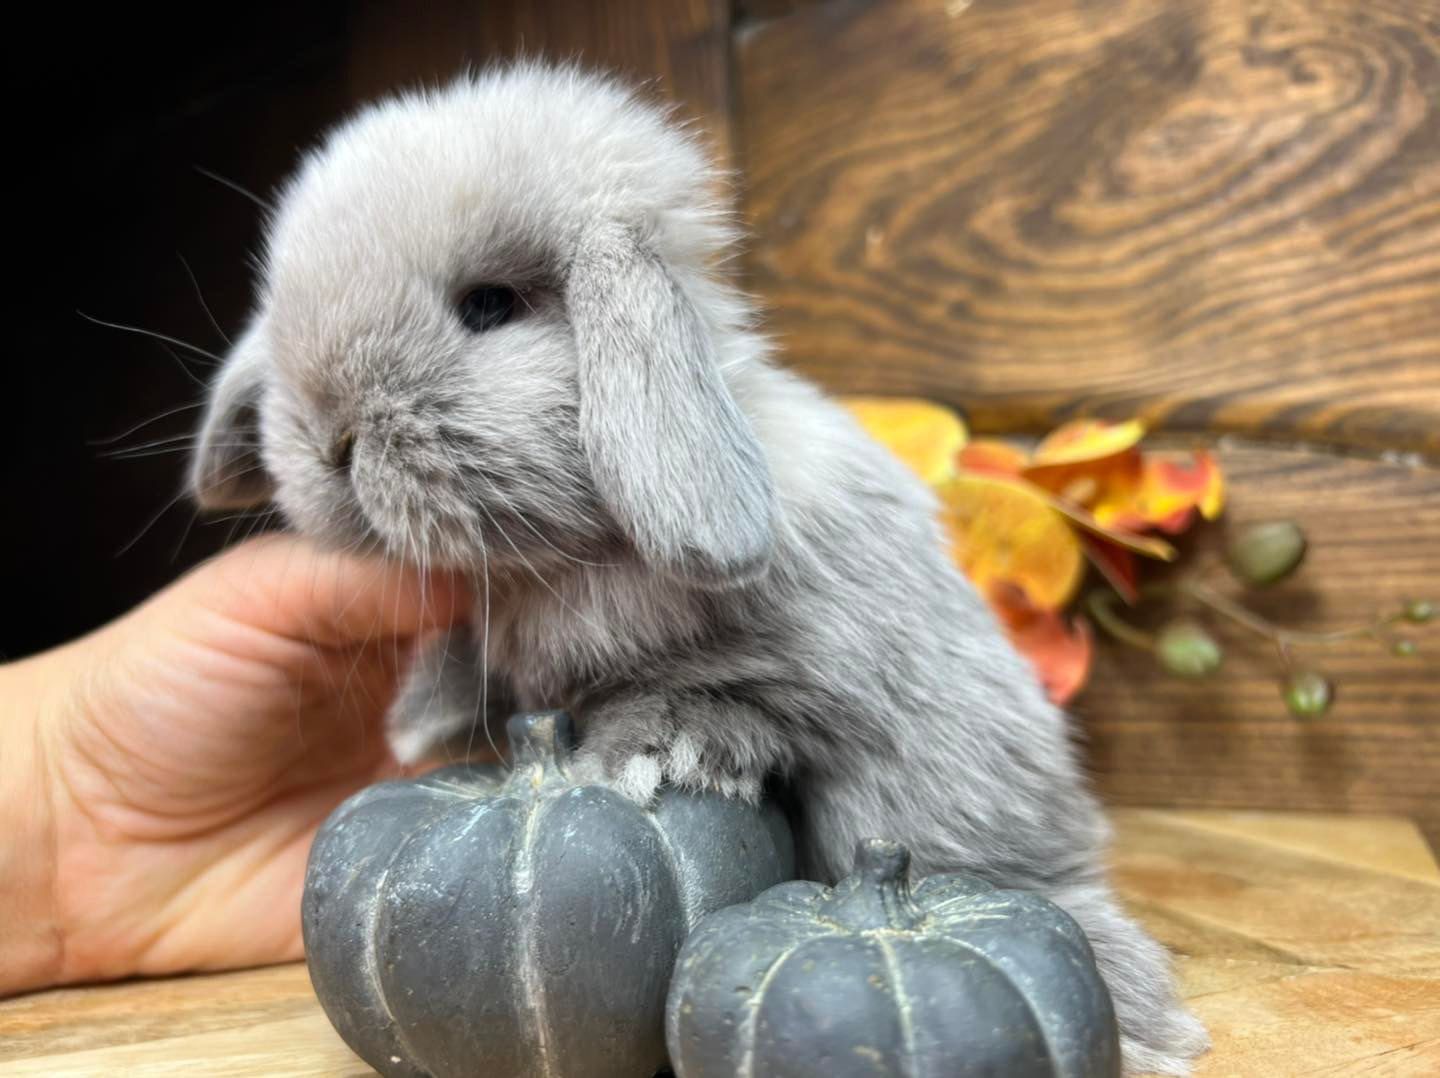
(974, 909)
(366, 798)
(746, 1069)
(902, 1000)
(970, 948)
(523, 876)
(790, 903)
(672, 866)
(454, 790)
(908, 932)
(369, 959)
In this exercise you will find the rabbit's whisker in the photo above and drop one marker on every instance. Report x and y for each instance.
(153, 335)
(233, 186)
(201, 297)
(146, 422)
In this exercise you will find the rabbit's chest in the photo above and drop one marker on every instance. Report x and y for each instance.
(551, 642)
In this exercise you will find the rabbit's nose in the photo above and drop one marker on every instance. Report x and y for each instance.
(342, 451)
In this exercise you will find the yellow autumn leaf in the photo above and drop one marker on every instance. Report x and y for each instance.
(1006, 532)
(1086, 440)
(925, 435)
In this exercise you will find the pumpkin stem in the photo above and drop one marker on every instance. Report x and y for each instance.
(540, 740)
(877, 893)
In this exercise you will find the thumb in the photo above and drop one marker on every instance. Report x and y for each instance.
(289, 586)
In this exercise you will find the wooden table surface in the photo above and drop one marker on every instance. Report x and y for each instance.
(1309, 944)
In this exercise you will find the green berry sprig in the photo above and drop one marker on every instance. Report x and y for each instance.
(1259, 556)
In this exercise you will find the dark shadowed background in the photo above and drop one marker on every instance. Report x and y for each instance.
(116, 123)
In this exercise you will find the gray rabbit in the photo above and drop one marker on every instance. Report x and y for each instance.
(489, 336)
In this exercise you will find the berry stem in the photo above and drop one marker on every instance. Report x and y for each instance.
(1283, 637)
(1100, 604)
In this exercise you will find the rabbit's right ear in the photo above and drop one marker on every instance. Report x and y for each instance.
(673, 456)
(226, 471)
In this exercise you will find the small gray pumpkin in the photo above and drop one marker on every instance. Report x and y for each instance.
(869, 978)
(519, 923)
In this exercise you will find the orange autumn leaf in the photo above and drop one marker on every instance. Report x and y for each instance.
(1088, 461)
(925, 435)
(1005, 531)
(1177, 484)
(1069, 488)
(1023, 525)
(1076, 489)
(1059, 649)
(1168, 493)
(986, 456)
(1089, 481)
(1149, 545)
(1106, 485)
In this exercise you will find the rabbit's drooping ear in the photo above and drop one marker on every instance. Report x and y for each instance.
(673, 457)
(226, 472)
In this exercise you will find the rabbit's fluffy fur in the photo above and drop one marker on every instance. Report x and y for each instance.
(691, 549)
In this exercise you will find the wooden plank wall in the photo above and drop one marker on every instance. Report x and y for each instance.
(680, 48)
(1220, 215)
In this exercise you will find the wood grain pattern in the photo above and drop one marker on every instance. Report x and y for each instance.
(756, 10)
(1298, 963)
(684, 45)
(1375, 531)
(1299, 954)
(106, 1017)
(1223, 215)
(1384, 844)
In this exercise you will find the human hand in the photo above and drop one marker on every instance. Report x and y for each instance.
(163, 777)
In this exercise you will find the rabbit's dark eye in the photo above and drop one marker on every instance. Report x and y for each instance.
(488, 306)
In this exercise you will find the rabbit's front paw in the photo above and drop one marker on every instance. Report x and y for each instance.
(639, 775)
(645, 744)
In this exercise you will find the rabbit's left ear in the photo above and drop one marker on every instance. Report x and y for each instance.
(226, 471)
(673, 457)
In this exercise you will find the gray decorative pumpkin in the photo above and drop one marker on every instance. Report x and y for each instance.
(519, 923)
(952, 979)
